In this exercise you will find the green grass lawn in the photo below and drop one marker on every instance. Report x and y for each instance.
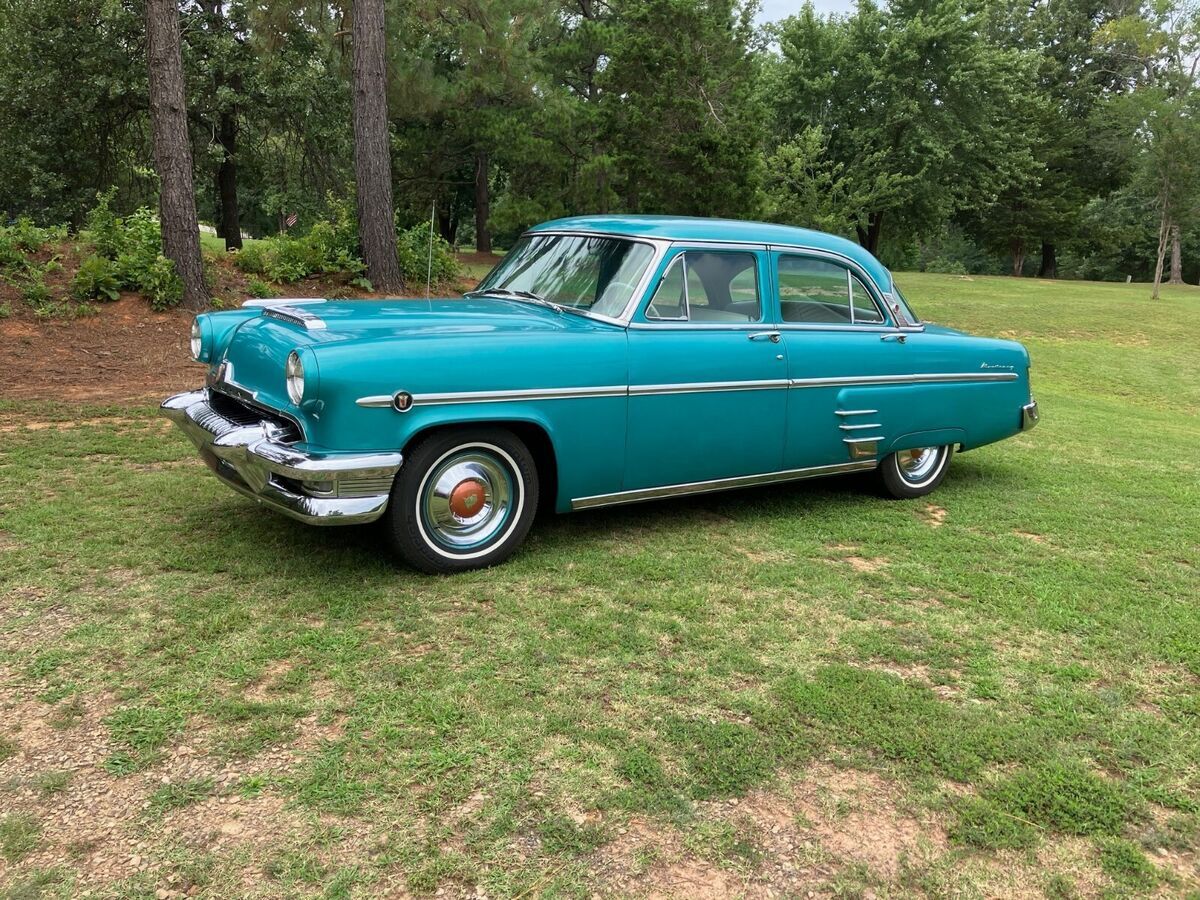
(991, 691)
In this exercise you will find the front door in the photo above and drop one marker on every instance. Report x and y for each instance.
(708, 374)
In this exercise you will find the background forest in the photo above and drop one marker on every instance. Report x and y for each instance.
(1058, 138)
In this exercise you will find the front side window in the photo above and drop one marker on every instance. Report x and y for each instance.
(590, 273)
(708, 286)
(823, 293)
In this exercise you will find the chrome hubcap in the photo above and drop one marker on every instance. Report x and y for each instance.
(916, 465)
(467, 500)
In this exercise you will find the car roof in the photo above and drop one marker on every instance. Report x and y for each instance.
(694, 228)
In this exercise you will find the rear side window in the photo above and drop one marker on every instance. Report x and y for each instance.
(708, 286)
(823, 293)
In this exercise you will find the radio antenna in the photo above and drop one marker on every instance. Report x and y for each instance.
(429, 266)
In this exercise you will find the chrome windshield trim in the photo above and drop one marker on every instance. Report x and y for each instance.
(295, 316)
(658, 245)
(717, 484)
(928, 378)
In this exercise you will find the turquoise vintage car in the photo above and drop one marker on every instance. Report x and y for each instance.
(606, 359)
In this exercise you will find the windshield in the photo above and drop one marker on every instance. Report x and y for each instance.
(596, 274)
(905, 309)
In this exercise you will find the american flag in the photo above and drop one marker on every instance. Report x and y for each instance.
(291, 220)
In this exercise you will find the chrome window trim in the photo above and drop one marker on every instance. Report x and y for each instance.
(852, 272)
(679, 259)
(687, 387)
(684, 247)
(717, 484)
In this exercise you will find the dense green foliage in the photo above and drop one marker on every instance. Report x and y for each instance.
(955, 135)
(133, 245)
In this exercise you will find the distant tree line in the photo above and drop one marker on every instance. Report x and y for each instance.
(1055, 137)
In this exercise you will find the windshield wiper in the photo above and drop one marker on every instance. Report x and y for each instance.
(527, 296)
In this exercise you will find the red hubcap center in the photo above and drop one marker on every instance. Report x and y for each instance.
(467, 498)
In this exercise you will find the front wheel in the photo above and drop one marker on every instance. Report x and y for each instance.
(914, 473)
(464, 499)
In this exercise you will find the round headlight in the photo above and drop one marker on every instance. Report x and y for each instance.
(197, 340)
(295, 378)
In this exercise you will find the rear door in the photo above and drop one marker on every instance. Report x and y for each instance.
(846, 362)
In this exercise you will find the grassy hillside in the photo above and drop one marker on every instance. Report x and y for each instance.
(992, 691)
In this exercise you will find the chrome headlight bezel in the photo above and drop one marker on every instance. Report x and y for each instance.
(294, 378)
(196, 340)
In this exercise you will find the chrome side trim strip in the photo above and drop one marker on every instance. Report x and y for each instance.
(296, 316)
(718, 484)
(929, 378)
(865, 440)
(859, 427)
(697, 387)
(704, 387)
(377, 400)
(505, 396)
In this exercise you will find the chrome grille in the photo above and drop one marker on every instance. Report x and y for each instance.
(240, 413)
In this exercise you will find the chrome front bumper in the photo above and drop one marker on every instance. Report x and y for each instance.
(317, 488)
(1029, 415)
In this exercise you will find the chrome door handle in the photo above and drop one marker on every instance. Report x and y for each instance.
(772, 336)
(898, 338)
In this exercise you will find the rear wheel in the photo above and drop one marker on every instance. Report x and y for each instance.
(464, 499)
(916, 472)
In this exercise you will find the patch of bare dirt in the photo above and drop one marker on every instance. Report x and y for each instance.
(807, 832)
(101, 827)
(1030, 536)
(125, 352)
(934, 516)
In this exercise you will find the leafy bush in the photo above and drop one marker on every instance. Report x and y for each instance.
(260, 289)
(96, 279)
(19, 240)
(252, 258)
(161, 283)
(330, 247)
(414, 257)
(103, 228)
(134, 245)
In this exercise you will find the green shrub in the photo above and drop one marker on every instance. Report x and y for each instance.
(96, 279)
(252, 258)
(161, 283)
(259, 289)
(103, 228)
(413, 245)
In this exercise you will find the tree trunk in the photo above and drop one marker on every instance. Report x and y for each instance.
(1164, 231)
(447, 225)
(231, 225)
(1176, 257)
(869, 237)
(1049, 266)
(173, 150)
(372, 150)
(483, 237)
(1016, 247)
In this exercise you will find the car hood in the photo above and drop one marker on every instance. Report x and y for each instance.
(256, 351)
